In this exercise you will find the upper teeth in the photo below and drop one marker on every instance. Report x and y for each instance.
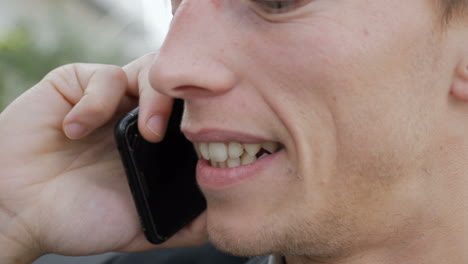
(233, 154)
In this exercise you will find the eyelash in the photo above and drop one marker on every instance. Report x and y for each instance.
(276, 7)
(267, 6)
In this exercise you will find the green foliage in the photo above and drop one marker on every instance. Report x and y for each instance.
(23, 61)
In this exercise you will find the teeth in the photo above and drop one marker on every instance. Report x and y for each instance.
(204, 150)
(235, 150)
(231, 163)
(234, 154)
(271, 147)
(247, 159)
(218, 152)
(252, 149)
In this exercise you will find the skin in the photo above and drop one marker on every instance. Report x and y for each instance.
(367, 97)
(359, 94)
(63, 188)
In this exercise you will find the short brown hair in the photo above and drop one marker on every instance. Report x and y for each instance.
(453, 9)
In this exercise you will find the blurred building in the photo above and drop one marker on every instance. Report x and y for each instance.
(103, 22)
(131, 27)
(39, 35)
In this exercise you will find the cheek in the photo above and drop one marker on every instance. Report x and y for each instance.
(352, 94)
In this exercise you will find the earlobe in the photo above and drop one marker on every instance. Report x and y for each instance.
(459, 88)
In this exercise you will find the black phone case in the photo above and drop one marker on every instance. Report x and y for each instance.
(127, 144)
(134, 182)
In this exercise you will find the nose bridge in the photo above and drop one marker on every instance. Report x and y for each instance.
(193, 56)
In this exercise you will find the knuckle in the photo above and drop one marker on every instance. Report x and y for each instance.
(83, 71)
(61, 72)
(65, 81)
(68, 74)
(148, 58)
(97, 107)
(115, 72)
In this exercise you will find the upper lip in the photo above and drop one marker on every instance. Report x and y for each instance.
(220, 135)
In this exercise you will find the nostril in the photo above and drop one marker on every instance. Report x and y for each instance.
(190, 91)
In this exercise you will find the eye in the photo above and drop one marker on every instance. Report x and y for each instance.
(278, 7)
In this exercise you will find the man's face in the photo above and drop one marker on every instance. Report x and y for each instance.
(347, 90)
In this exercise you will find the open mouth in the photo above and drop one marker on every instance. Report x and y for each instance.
(234, 154)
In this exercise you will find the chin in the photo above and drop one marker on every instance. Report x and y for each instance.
(243, 244)
(241, 234)
(257, 234)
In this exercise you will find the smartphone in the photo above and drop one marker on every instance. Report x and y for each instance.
(161, 176)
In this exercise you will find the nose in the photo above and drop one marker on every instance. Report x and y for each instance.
(193, 60)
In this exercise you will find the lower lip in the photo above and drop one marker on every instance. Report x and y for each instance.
(212, 178)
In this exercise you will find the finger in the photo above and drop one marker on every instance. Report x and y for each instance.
(101, 88)
(155, 108)
(134, 70)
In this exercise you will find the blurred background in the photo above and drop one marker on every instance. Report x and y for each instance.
(37, 36)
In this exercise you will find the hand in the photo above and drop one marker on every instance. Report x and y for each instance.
(62, 185)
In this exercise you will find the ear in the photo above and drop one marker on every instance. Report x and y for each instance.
(459, 88)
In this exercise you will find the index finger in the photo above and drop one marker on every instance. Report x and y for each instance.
(155, 108)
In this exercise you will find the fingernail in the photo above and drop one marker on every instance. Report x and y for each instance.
(155, 125)
(75, 130)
